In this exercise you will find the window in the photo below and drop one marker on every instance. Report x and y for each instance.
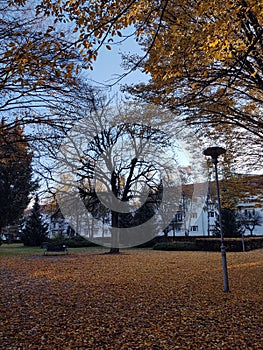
(178, 216)
(194, 228)
(248, 212)
(211, 214)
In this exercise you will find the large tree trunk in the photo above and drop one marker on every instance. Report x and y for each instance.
(114, 233)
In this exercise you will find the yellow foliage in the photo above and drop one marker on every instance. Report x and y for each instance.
(211, 44)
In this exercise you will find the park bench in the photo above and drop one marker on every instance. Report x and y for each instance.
(55, 248)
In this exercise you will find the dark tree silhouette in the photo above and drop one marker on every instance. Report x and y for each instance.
(35, 231)
(122, 174)
(231, 224)
(15, 174)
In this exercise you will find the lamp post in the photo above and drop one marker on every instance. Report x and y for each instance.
(214, 152)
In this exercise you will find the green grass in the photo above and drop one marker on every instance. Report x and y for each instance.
(16, 249)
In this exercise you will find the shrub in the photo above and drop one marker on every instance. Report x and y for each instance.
(76, 242)
(169, 246)
(210, 244)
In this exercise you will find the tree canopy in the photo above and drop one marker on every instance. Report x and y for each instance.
(35, 59)
(206, 65)
(204, 58)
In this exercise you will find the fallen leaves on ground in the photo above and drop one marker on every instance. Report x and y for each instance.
(135, 300)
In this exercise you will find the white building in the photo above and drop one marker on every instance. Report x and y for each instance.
(193, 222)
(196, 219)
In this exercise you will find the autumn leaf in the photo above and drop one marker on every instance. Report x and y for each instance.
(135, 300)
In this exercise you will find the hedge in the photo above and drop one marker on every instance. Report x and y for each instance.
(77, 242)
(210, 244)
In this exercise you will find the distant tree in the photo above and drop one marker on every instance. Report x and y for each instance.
(15, 174)
(35, 230)
(231, 225)
(250, 220)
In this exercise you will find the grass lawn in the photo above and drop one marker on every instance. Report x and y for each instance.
(16, 249)
(141, 299)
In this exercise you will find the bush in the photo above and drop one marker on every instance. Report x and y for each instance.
(169, 246)
(231, 244)
(210, 244)
(149, 244)
(76, 242)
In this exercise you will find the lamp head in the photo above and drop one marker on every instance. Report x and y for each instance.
(214, 152)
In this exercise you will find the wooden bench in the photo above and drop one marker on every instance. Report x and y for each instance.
(55, 248)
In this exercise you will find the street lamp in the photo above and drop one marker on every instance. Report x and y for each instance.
(214, 152)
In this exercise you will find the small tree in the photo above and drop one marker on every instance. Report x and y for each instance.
(250, 220)
(35, 231)
(231, 225)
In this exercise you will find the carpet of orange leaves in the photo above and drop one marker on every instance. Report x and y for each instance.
(134, 300)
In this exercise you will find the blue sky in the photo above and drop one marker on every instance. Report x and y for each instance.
(107, 67)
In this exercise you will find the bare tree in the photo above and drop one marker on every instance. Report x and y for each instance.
(250, 220)
(122, 170)
(123, 177)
